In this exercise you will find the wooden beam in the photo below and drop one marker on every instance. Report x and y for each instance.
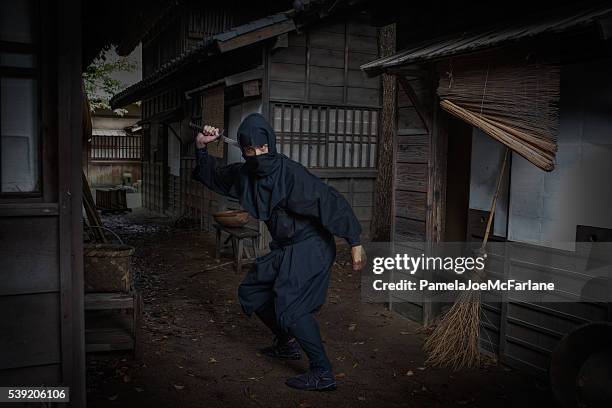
(423, 113)
(256, 36)
(436, 193)
(380, 228)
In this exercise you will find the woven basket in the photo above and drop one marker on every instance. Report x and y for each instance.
(232, 218)
(108, 267)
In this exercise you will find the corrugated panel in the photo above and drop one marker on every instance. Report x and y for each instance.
(493, 36)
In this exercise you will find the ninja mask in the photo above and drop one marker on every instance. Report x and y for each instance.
(254, 131)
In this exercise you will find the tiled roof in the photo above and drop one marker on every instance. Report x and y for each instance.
(209, 47)
(487, 38)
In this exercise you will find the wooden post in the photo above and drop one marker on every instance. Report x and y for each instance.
(69, 171)
(383, 197)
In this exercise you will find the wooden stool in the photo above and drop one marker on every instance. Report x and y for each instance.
(237, 235)
(108, 333)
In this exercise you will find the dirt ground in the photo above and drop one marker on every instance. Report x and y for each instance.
(199, 350)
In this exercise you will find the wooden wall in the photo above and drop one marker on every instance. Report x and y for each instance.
(110, 173)
(358, 191)
(153, 175)
(413, 193)
(41, 260)
(321, 65)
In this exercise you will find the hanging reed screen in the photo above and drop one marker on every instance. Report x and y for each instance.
(327, 136)
(514, 102)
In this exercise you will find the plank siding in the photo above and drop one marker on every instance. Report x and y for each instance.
(411, 177)
(23, 273)
(409, 122)
(289, 55)
(21, 342)
(330, 55)
(411, 204)
(320, 57)
(412, 153)
(290, 72)
(412, 186)
(326, 76)
(287, 91)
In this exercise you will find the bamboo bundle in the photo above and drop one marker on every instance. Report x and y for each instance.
(515, 103)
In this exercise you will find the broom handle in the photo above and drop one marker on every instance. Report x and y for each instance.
(500, 176)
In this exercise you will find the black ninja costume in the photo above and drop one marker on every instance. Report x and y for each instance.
(286, 286)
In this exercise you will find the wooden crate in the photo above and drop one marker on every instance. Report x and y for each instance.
(111, 200)
(113, 321)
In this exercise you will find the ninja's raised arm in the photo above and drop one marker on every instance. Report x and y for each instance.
(311, 197)
(220, 179)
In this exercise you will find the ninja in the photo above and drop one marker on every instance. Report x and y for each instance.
(285, 287)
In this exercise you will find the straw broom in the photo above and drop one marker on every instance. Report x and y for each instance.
(455, 342)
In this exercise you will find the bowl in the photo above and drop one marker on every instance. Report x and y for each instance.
(232, 218)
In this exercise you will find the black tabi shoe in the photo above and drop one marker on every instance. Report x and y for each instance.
(289, 350)
(315, 379)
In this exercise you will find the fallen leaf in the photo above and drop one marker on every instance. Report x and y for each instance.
(212, 360)
(340, 375)
(179, 387)
(352, 326)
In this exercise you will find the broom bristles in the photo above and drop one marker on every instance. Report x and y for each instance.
(455, 342)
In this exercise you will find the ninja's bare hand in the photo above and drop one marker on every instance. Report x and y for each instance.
(359, 257)
(207, 135)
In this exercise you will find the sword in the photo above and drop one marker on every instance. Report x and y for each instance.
(221, 138)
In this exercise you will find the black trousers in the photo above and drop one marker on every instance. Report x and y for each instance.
(305, 330)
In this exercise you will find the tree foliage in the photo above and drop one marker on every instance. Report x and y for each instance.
(100, 83)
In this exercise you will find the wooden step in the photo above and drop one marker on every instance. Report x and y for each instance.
(108, 340)
(109, 301)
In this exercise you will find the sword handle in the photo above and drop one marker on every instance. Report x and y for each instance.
(197, 128)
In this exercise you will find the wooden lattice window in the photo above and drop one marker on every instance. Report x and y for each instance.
(115, 145)
(327, 136)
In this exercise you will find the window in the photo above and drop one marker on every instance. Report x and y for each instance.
(327, 136)
(112, 144)
(19, 99)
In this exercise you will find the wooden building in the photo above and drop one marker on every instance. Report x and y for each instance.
(43, 47)
(299, 69)
(445, 168)
(115, 149)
